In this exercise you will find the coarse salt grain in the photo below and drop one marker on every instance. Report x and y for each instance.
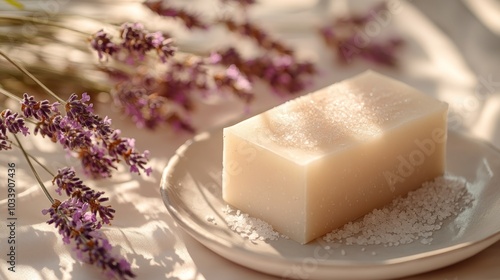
(211, 219)
(248, 227)
(406, 219)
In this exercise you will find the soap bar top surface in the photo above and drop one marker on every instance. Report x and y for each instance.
(344, 114)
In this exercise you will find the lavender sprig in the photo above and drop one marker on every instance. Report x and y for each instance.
(84, 133)
(66, 181)
(136, 42)
(283, 74)
(76, 220)
(103, 44)
(153, 98)
(38, 109)
(190, 20)
(262, 38)
(151, 102)
(345, 37)
(13, 123)
(79, 217)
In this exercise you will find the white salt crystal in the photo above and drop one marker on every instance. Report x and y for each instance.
(426, 241)
(211, 219)
(409, 218)
(248, 227)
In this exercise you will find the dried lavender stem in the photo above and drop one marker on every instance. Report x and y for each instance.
(38, 179)
(43, 166)
(27, 73)
(36, 21)
(9, 94)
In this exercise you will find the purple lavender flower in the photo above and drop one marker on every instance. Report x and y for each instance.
(81, 131)
(4, 142)
(167, 98)
(101, 42)
(49, 127)
(154, 99)
(38, 110)
(282, 73)
(261, 37)
(98, 159)
(190, 20)
(12, 122)
(135, 103)
(136, 42)
(236, 82)
(69, 133)
(164, 46)
(149, 108)
(79, 113)
(344, 35)
(124, 148)
(96, 163)
(99, 253)
(243, 3)
(75, 222)
(382, 53)
(240, 81)
(133, 35)
(66, 181)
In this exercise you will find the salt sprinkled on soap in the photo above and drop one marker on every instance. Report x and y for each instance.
(349, 110)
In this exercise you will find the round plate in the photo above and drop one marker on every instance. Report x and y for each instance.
(191, 190)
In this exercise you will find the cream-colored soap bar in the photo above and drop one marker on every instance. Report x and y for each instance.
(319, 161)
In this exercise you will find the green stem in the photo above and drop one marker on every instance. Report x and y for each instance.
(38, 179)
(27, 73)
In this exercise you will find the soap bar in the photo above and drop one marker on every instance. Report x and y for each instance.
(316, 162)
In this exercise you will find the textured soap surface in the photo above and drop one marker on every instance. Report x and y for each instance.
(314, 163)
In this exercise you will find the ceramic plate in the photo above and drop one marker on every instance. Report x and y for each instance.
(191, 190)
